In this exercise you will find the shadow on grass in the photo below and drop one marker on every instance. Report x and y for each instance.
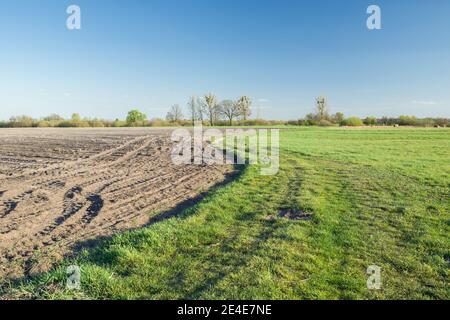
(180, 210)
(238, 261)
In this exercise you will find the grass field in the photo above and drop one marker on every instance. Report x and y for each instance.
(376, 197)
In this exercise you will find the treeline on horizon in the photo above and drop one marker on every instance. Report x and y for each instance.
(210, 112)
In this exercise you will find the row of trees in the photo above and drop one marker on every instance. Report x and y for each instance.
(373, 121)
(322, 117)
(209, 111)
(138, 119)
(208, 108)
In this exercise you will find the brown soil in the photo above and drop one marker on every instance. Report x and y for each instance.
(60, 188)
(295, 214)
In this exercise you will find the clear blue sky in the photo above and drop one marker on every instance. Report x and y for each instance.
(152, 54)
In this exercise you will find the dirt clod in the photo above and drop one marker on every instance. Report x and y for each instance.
(295, 214)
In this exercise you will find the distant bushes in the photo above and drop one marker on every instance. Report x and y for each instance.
(54, 122)
(325, 123)
(261, 122)
(370, 121)
(339, 119)
(21, 121)
(352, 122)
(413, 121)
(407, 121)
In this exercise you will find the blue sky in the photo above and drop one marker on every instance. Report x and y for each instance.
(283, 53)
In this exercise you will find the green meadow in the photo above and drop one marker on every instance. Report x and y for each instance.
(364, 197)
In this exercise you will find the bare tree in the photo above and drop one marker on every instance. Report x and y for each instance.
(210, 107)
(244, 104)
(230, 109)
(194, 109)
(175, 114)
(321, 108)
(200, 113)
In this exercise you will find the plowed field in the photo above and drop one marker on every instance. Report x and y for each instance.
(61, 189)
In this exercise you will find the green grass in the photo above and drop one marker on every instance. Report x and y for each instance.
(379, 197)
